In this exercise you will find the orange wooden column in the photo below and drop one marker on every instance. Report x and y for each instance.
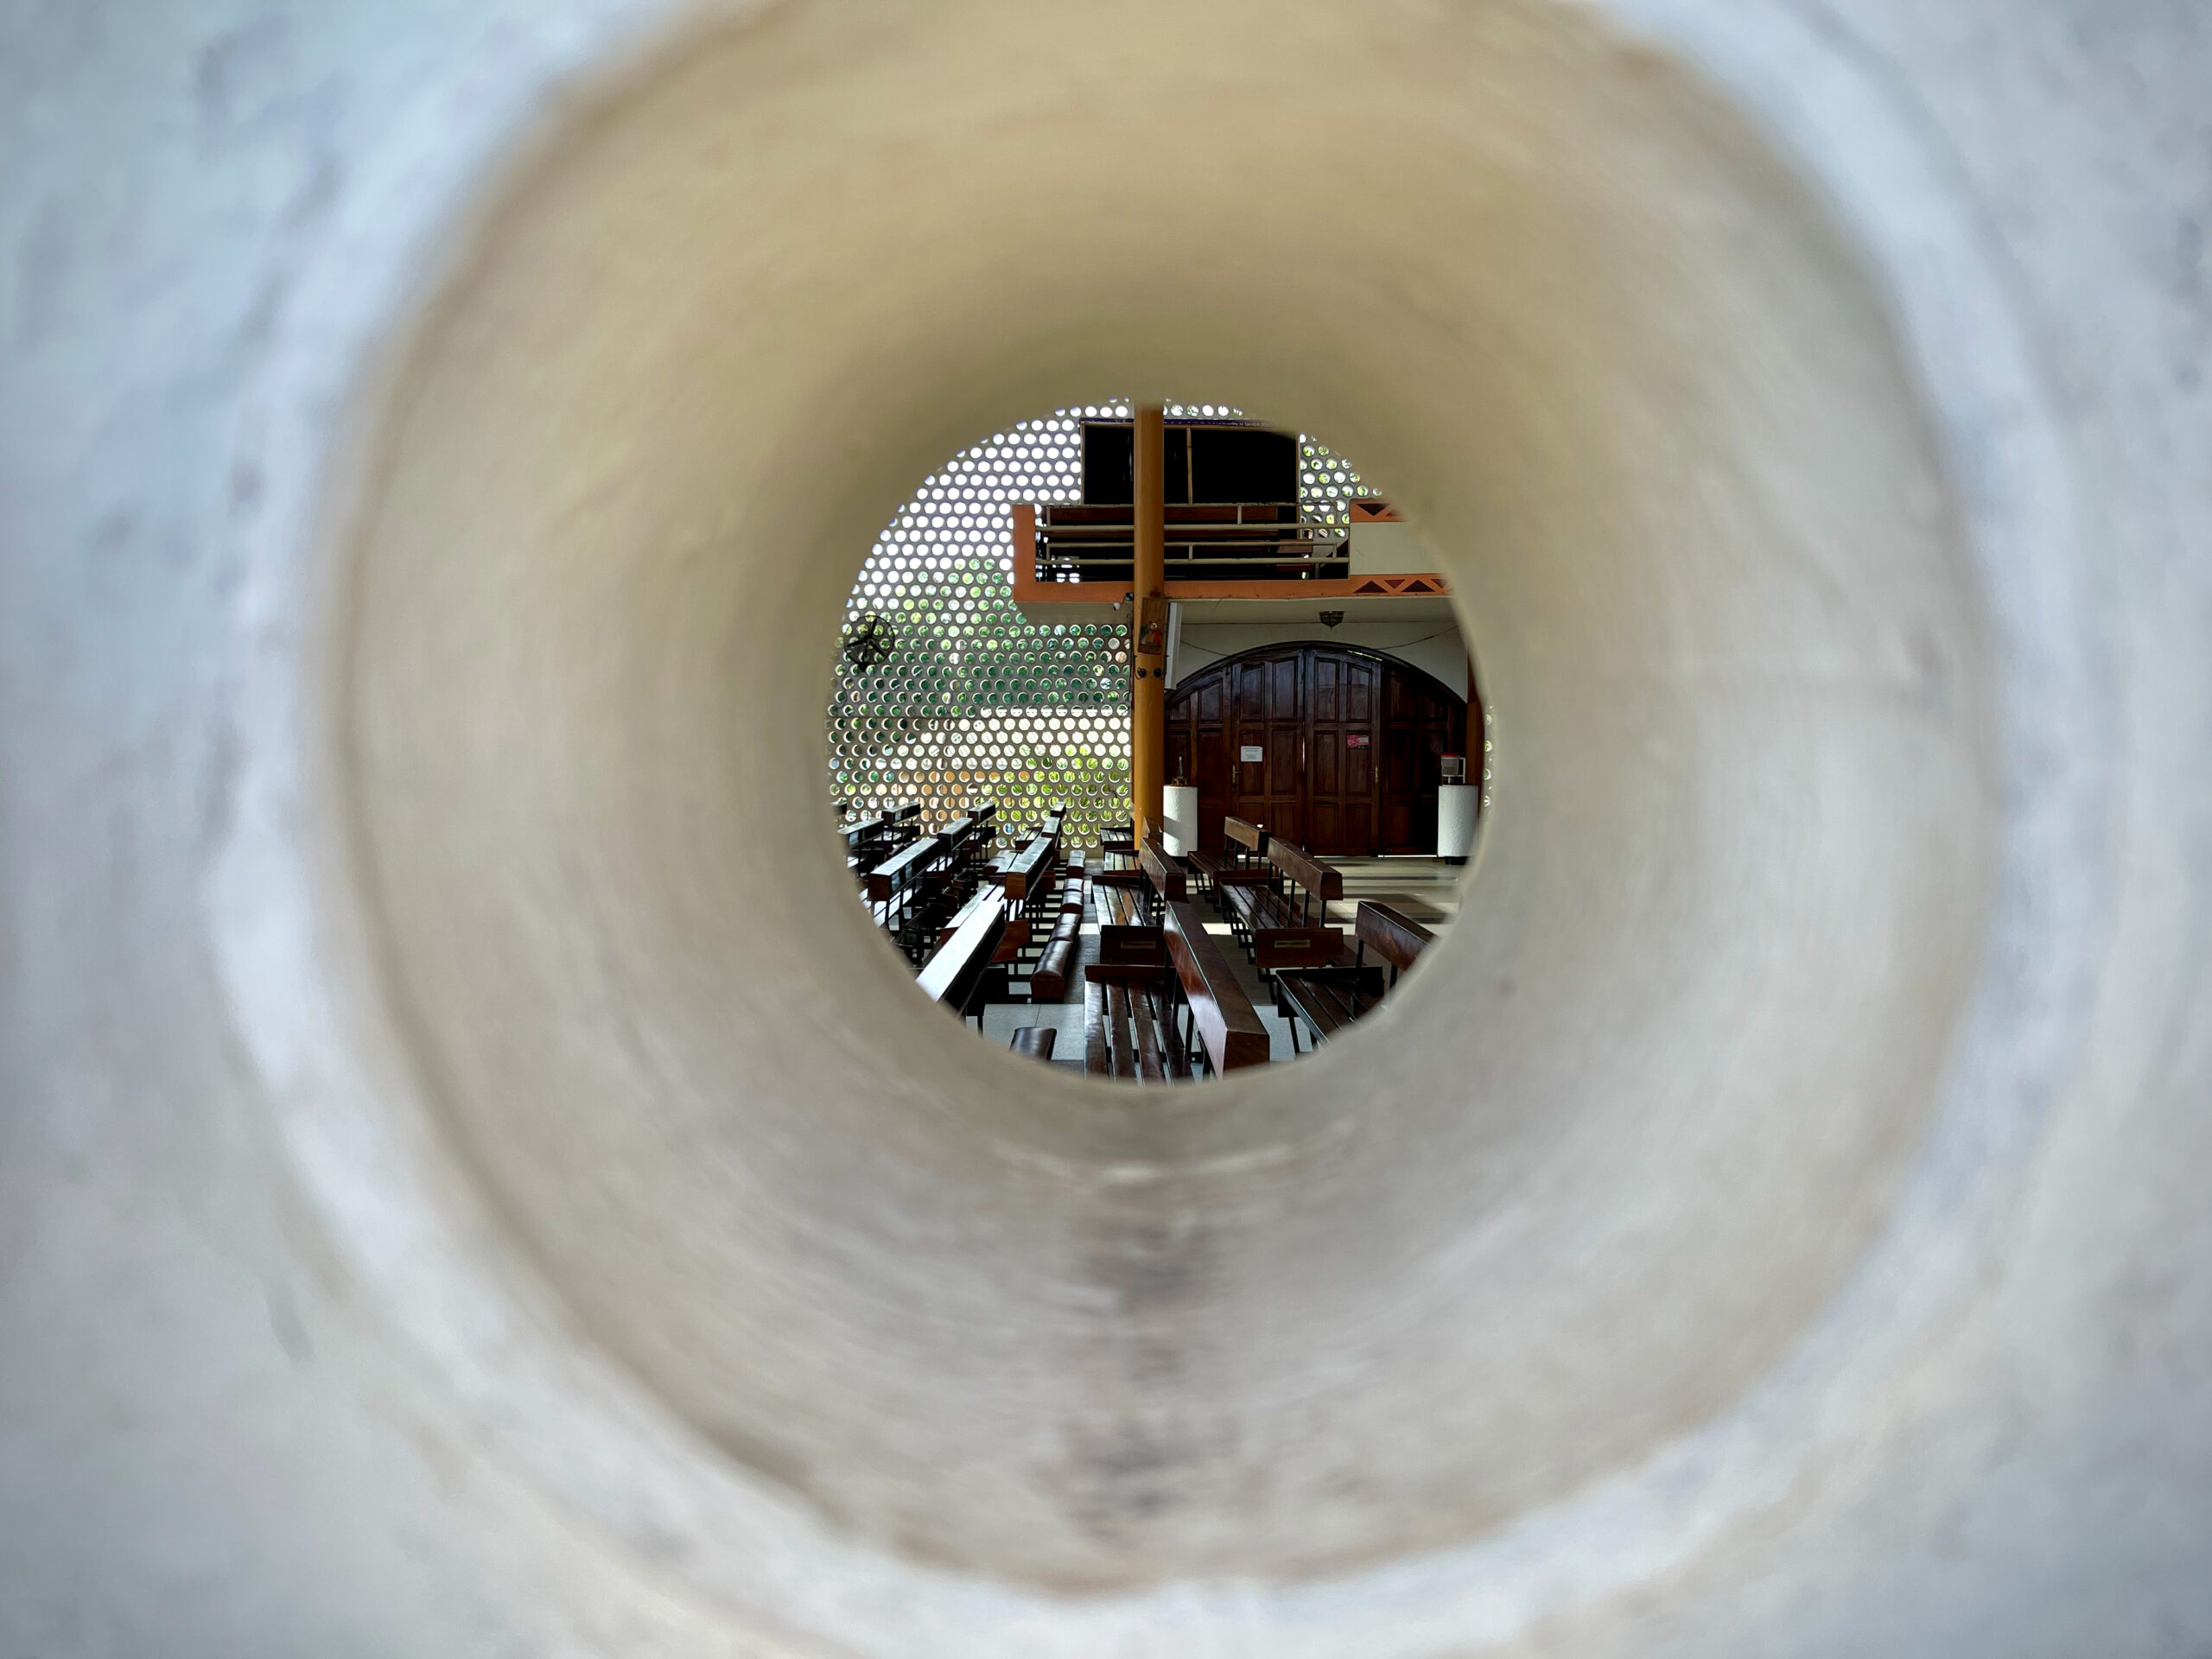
(1148, 624)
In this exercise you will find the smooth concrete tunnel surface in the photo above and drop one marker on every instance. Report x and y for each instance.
(473, 1184)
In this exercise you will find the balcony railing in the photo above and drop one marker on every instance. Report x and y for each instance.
(1228, 541)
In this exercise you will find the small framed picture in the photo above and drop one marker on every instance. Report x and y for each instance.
(1152, 627)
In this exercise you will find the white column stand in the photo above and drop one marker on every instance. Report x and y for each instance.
(1455, 821)
(1179, 815)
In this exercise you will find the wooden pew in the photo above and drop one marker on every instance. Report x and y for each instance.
(1289, 928)
(954, 975)
(1392, 935)
(1031, 869)
(1242, 859)
(1325, 999)
(1017, 932)
(1029, 881)
(1160, 868)
(1129, 1029)
(969, 839)
(1048, 982)
(1120, 897)
(1117, 845)
(1225, 1030)
(895, 889)
(1132, 898)
(869, 844)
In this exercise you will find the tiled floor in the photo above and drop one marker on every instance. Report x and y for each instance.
(1426, 890)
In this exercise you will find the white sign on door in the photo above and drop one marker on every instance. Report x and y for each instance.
(1249, 752)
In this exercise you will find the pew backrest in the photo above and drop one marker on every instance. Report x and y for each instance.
(1240, 832)
(1030, 866)
(1166, 875)
(1223, 1017)
(903, 865)
(1318, 881)
(1398, 938)
(1135, 946)
(952, 976)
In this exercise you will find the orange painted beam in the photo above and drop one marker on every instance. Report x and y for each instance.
(1148, 625)
(1425, 584)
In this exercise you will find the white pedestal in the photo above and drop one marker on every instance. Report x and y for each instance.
(1455, 821)
(1179, 815)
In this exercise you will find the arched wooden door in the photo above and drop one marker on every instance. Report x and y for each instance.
(1329, 746)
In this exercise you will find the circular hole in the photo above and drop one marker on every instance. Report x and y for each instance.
(1306, 757)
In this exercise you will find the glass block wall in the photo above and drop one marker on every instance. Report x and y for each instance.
(946, 696)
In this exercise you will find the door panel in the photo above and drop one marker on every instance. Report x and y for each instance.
(1251, 690)
(1341, 779)
(1328, 674)
(1349, 746)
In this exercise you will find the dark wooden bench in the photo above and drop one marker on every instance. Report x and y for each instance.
(1117, 846)
(1048, 981)
(1132, 898)
(1128, 1024)
(1225, 1032)
(1029, 872)
(1120, 897)
(1325, 999)
(1035, 1042)
(1029, 879)
(1011, 943)
(969, 839)
(1286, 924)
(1242, 859)
(897, 890)
(1162, 868)
(869, 844)
(955, 975)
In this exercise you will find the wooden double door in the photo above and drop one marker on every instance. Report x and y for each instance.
(1334, 748)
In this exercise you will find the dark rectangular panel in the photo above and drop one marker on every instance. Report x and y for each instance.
(1359, 690)
(1397, 824)
(1175, 446)
(1242, 463)
(1250, 776)
(1251, 691)
(1359, 762)
(1108, 458)
(1328, 762)
(1327, 675)
(1400, 776)
(1326, 830)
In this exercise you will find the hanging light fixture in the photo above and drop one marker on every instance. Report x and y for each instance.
(870, 642)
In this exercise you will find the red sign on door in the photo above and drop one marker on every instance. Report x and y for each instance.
(1357, 741)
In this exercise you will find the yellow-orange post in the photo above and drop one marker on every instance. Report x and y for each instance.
(1148, 725)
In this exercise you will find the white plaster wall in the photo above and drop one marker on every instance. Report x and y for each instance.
(422, 1234)
(1433, 647)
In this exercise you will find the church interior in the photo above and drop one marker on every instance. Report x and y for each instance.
(1151, 741)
